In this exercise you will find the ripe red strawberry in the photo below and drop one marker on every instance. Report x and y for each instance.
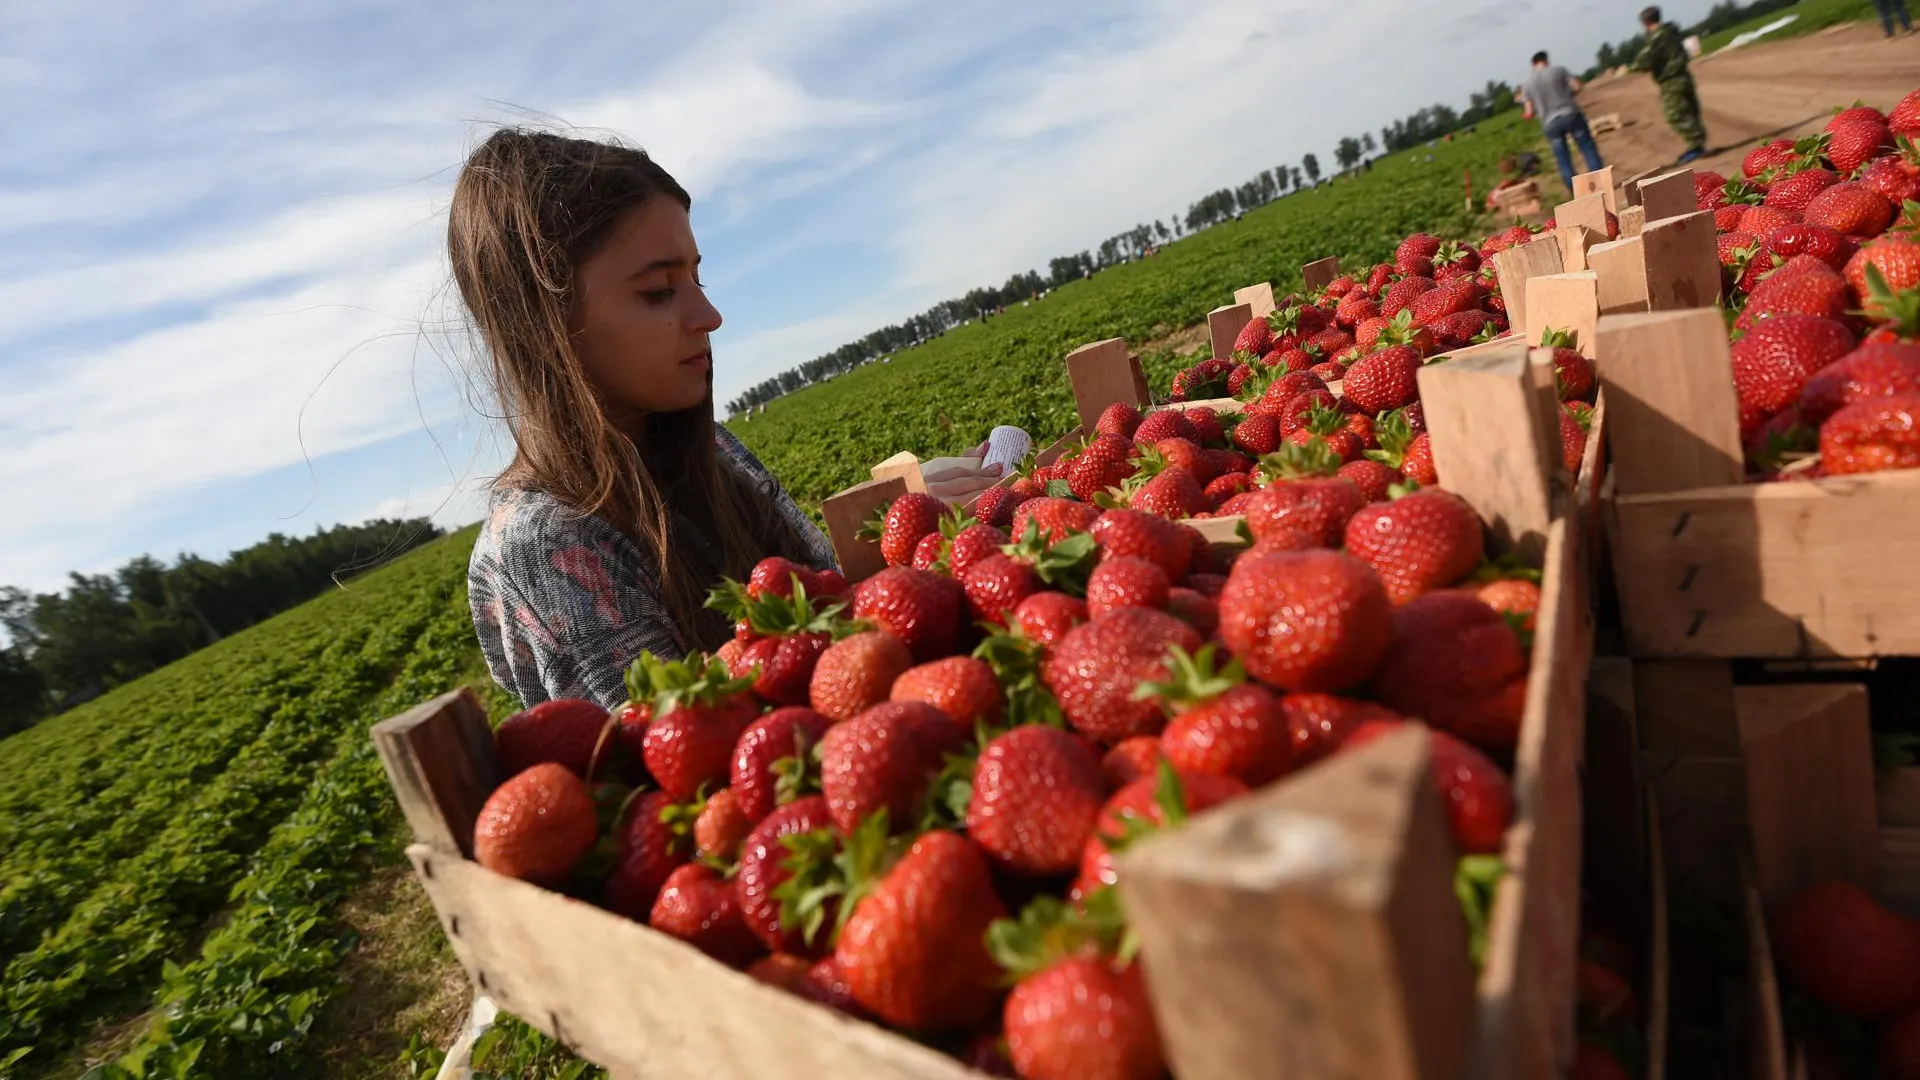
(1165, 798)
(1512, 596)
(1355, 309)
(1772, 363)
(1228, 461)
(1126, 532)
(1385, 380)
(913, 951)
(1766, 156)
(1793, 193)
(775, 576)
(1327, 342)
(536, 825)
(1317, 724)
(1172, 493)
(1452, 297)
(1572, 372)
(1105, 463)
(1207, 428)
(1823, 243)
(700, 907)
(1372, 478)
(1283, 390)
(1573, 441)
(1761, 220)
(1125, 582)
(1477, 795)
(720, 826)
(1871, 371)
(1257, 433)
(1180, 453)
(765, 865)
(1895, 178)
(925, 610)
(1319, 508)
(909, 517)
(1095, 668)
(1838, 944)
(960, 686)
(772, 758)
(781, 667)
(1851, 208)
(1119, 419)
(1036, 794)
(1804, 285)
(1046, 617)
(698, 714)
(1378, 277)
(1872, 435)
(973, 543)
(1222, 488)
(1727, 218)
(1709, 190)
(1130, 760)
(1083, 1019)
(1856, 140)
(1165, 424)
(1401, 294)
(1306, 620)
(1459, 329)
(648, 848)
(1417, 465)
(1896, 257)
(1193, 609)
(1457, 664)
(1417, 543)
(884, 759)
(1256, 337)
(1056, 519)
(1904, 118)
(564, 731)
(1295, 414)
(856, 673)
(1222, 724)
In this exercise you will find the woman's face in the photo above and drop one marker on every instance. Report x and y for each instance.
(640, 318)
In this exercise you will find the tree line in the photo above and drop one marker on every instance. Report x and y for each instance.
(67, 647)
(1211, 209)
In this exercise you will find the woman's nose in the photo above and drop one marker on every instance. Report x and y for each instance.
(704, 318)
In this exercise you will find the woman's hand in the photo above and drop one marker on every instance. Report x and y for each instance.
(955, 484)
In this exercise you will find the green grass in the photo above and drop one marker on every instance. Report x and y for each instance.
(947, 394)
(1814, 16)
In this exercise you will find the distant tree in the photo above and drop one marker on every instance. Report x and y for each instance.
(1347, 153)
(1366, 142)
(1312, 165)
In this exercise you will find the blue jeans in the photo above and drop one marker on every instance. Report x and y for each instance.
(1558, 129)
(1890, 8)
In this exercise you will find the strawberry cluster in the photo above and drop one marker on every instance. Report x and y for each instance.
(1856, 962)
(904, 799)
(1819, 245)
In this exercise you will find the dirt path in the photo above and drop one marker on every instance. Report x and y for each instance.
(1784, 89)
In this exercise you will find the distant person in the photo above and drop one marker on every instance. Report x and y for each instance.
(1891, 9)
(624, 502)
(1664, 56)
(1548, 96)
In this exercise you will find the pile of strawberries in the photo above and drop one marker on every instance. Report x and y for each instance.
(1327, 385)
(1851, 963)
(1820, 250)
(903, 799)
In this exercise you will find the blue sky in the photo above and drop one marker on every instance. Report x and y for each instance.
(224, 303)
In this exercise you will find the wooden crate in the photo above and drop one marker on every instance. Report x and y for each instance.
(1708, 565)
(1309, 929)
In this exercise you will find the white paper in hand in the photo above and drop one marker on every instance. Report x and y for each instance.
(1006, 446)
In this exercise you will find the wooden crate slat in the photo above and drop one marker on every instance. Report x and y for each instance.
(1568, 301)
(906, 466)
(1633, 220)
(1683, 261)
(439, 758)
(1598, 182)
(1670, 398)
(1223, 327)
(1667, 195)
(1102, 373)
(1770, 570)
(846, 512)
(1492, 443)
(1659, 963)
(1810, 793)
(1309, 929)
(1258, 298)
(1320, 273)
(1621, 268)
(1516, 264)
(643, 1004)
(1766, 1033)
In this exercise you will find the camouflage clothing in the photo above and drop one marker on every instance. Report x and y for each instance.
(1664, 56)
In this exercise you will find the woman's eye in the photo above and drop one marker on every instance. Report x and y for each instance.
(657, 296)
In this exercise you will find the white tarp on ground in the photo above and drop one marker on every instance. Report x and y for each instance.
(1752, 36)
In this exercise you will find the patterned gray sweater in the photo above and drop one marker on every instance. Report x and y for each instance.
(563, 602)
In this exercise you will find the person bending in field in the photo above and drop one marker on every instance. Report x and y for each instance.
(624, 502)
(1664, 56)
(1548, 95)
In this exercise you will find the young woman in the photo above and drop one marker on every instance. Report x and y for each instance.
(624, 503)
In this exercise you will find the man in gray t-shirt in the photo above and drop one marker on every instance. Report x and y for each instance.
(1548, 96)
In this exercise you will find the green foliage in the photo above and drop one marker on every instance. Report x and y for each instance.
(1008, 370)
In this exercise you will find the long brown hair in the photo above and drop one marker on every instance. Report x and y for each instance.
(529, 207)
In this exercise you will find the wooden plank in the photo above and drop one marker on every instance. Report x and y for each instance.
(1223, 406)
(643, 1004)
(1659, 949)
(1102, 373)
(1809, 764)
(904, 465)
(1495, 442)
(1701, 822)
(1770, 570)
(1223, 327)
(846, 513)
(1668, 195)
(1670, 399)
(1568, 301)
(1633, 220)
(1579, 224)
(1598, 182)
(1683, 263)
(1258, 298)
(1516, 264)
(1616, 826)
(1621, 267)
(1320, 273)
(1059, 447)
(1766, 1033)
(1310, 929)
(439, 758)
(1685, 708)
